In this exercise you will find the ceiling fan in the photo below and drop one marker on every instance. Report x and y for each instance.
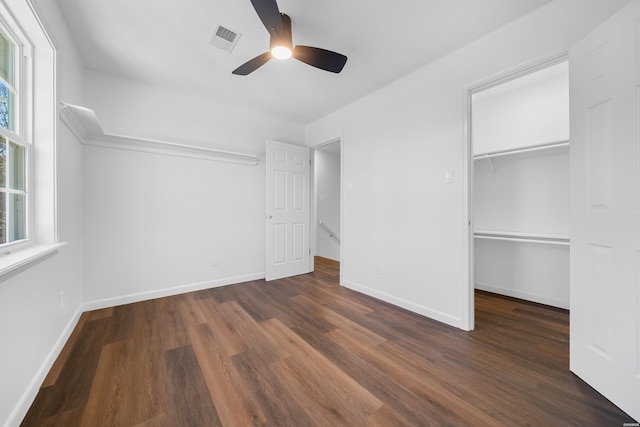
(281, 46)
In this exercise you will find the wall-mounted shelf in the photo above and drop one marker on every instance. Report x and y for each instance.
(84, 124)
(509, 236)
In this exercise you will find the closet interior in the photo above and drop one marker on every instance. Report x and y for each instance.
(520, 140)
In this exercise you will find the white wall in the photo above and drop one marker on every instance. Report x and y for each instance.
(530, 110)
(154, 223)
(525, 193)
(529, 271)
(32, 326)
(327, 170)
(129, 108)
(397, 143)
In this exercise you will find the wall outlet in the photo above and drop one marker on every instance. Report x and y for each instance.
(61, 299)
(215, 261)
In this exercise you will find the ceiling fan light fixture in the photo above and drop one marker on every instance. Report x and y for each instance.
(281, 52)
(281, 46)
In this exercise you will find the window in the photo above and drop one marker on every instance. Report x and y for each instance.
(28, 147)
(13, 192)
(14, 197)
(7, 83)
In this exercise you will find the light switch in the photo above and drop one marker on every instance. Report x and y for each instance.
(449, 176)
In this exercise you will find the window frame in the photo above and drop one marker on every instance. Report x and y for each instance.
(14, 34)
(39, 81)
(20, 134)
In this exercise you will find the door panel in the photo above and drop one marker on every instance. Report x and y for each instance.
(599, 146)
(605, 214)
(287, 210)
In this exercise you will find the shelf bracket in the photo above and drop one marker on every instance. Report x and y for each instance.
(491, 165)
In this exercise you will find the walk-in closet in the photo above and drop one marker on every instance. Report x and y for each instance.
(520, 140)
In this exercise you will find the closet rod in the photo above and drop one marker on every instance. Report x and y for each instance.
(524, 240)
(522, 150)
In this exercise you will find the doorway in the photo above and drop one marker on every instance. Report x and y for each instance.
(519, 185)
(327, 200)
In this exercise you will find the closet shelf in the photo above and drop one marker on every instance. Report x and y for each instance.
(509, 236)
(84, 124)
(530, 148)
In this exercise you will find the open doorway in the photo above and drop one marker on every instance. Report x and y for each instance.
(326, 226)
(519, 146)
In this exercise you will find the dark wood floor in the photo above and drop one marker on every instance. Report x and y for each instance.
(304, 351)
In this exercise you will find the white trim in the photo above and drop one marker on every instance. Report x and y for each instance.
(329, 142)
(84, 124)
(28, 397)
(313, 205)
(411, 306)
(176, 290)
(468, 321)
(523, 295)
(521, 70)
(13, 263)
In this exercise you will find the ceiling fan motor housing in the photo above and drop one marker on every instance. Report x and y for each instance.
(284, 39)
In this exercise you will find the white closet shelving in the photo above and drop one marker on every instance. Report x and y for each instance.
(490, 156)
(544, 239)
(515, 236)
(521, 150)
(521, 188)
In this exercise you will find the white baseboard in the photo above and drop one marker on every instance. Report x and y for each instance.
(176, 290)
(523, 295)
(31, 392)
(25, 402)
(411, 306)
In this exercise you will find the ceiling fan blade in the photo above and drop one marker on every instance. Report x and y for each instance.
(252, 65)
(320, 58)
(269, 14)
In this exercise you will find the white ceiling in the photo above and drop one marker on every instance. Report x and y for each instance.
(166, 43)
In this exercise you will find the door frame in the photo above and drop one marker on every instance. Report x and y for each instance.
(314, 206)
(468, 312)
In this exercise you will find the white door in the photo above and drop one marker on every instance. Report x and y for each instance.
(287, 213)
(605, 209)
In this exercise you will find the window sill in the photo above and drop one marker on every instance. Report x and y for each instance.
(23, 259)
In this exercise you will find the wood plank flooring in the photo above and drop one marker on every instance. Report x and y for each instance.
(304, 351)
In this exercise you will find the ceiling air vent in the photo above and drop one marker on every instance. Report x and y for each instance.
(224, 38)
